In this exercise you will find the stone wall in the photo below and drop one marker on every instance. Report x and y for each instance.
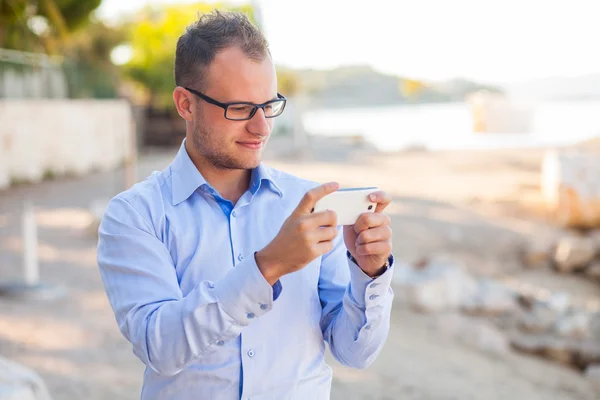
(42, 138)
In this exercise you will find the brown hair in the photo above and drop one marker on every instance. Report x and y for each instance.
(213, 32)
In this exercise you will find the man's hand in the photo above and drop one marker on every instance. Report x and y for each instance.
(303, 237)
(369, 240)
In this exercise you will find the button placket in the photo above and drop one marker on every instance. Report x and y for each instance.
(235, 250)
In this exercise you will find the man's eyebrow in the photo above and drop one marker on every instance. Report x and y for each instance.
(249, 102)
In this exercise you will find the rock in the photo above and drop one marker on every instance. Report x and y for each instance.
(571, 187)
(491, 298)
(541, 317)
(576, 352)
(593, 372)
(544, 346)
(595, 236)
(575, 325)
(574, 253)
(593, 271)
(588, 353)
(595, 325)
(20, 383)
(478, 333)
(537, 322)
(559, 302)
(436, 287)
(538, 253)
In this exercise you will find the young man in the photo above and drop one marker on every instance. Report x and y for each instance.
(222, 279)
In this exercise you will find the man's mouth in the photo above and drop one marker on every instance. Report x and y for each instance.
(252, 145)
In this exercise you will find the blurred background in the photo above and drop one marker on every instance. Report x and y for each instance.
(480, 118)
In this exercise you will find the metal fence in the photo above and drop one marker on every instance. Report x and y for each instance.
(31, 75)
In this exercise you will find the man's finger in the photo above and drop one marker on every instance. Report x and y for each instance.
(315, 194)
(379, 234)
(324, 234)
(375, 248)
(323, 218)
(381, 198)
(370, 220)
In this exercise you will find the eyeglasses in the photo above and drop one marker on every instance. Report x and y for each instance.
(242, 111)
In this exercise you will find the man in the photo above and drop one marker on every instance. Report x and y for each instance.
(219, 275)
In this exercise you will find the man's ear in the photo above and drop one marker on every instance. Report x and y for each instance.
(183, 102)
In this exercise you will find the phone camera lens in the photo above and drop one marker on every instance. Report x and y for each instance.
(370, 207)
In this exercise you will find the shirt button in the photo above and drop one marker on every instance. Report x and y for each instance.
(264, 306)
(373, 297)
(233, 214)
(240, 257)
(373, 285)
(250, 353)
(367, 327)
(250, 315)
(220, 343)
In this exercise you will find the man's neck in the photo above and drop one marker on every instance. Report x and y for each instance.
(230, 183)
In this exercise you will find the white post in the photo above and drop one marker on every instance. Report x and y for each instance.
(299, 133)
(30, 245)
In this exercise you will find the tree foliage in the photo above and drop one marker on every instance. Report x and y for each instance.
(62, 17)
(153, 39)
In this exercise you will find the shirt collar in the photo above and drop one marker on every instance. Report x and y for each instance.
(186, 178)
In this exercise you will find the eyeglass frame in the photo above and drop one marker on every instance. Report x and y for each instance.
(224, 106)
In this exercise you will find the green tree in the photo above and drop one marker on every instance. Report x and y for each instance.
(153, 39)
(90, 71)
(60, 17)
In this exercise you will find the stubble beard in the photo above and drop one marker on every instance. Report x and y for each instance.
(209, 150)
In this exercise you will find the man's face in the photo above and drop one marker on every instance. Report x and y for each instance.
(231, 77)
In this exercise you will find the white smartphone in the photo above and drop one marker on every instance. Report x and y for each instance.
(348, 204)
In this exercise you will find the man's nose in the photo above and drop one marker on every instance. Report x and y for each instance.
(258, 124)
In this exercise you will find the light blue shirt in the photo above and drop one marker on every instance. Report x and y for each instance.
(177, 261)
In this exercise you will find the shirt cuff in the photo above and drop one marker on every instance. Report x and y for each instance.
(244, 293)
(366, 291)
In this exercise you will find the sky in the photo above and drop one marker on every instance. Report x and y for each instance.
(492, 41)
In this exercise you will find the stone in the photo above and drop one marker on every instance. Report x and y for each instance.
(595, 236)
(576, 352)
(570, 187)
(480, 334)
(593, 372)
(588, 353)
(491, 298)
(593, 270)
(544, 346)
(537, 322)
(20, 383)
(538, 253)
(559, 302)
(575, 325)
(574, 253)
(435, 287)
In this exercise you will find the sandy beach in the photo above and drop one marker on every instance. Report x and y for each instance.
(476, 207)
